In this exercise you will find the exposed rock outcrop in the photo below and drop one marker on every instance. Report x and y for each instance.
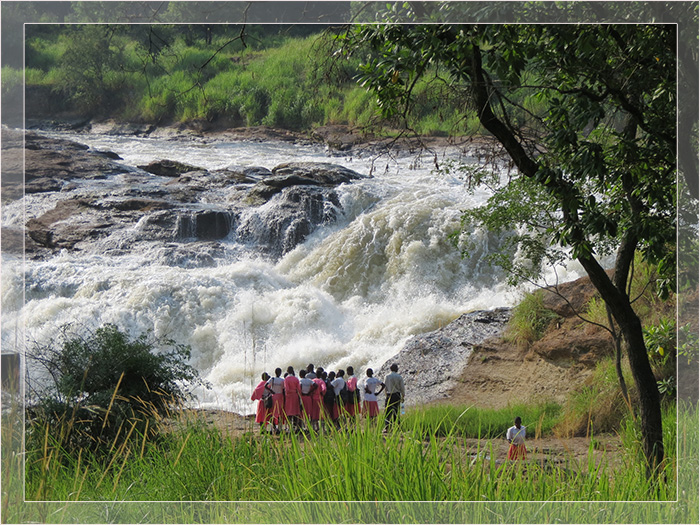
(168, 168)
(275, 209)
(432, 364)
(470, 362)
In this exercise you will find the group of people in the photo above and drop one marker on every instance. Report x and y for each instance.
(315, 396)
(303, 402)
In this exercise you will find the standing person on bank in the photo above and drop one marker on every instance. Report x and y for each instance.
(317, 395)
(307, 389)
(395, 394)
(275, 385)
(352, 407)
(263, 413)
(338, 406)
(373, 387)
(292, 398)
(516, 437)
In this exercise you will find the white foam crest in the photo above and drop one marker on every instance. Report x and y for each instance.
(400, 243)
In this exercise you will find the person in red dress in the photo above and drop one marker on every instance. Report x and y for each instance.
(292, 398)
(275, 385)
(373, 387)
(516, 437)
(329, 399)
(263, 415)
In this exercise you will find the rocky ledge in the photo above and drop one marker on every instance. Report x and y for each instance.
(164, 200)
(471, 362)
(432, 363)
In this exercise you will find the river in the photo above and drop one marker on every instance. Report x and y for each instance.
(352, 294)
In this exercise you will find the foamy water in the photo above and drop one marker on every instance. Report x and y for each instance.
(352, 294)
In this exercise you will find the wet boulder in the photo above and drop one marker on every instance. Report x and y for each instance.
(168, 168)
(322, 172)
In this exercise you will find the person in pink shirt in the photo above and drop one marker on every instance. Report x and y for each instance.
(260, 394)
(317, 399)
(307, 389)
(352, 407)
(292, 398)
(275, 385)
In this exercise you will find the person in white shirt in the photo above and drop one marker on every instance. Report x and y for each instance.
(516, 437)
(372, 388)
(275, 386)
(338, 383)
(307, 388)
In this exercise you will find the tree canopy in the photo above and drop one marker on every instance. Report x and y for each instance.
(595, 158)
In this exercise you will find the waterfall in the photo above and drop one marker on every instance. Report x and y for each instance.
(334, 276)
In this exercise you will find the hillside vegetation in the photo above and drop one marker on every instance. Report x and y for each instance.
(275, 77)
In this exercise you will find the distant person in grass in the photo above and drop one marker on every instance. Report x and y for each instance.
(516, 437)
(395, 394)
(260, 394)
(372, 387)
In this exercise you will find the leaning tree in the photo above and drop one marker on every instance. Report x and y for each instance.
(594, 147)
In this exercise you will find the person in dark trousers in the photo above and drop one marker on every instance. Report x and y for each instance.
(395, 393)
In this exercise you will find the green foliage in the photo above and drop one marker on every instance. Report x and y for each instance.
(688, 343)
(599, 406)
(530, 320)
(524, 215)
(105, 380)
(11, 80)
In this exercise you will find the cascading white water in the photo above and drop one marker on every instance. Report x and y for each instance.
(351, 294)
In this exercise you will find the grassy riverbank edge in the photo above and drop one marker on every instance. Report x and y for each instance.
(189, 477)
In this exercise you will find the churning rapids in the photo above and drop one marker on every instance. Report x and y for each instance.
(352, 293)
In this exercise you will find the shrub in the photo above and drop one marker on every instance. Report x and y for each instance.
(105, 379)
(599, 406)
(529, 321)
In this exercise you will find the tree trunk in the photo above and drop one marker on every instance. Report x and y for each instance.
(649, 399)
(631, 329)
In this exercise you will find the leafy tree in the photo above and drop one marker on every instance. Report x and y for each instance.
(90, 67)
(595, 159)
(107, 378)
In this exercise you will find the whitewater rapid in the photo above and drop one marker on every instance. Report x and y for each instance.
(351, 294)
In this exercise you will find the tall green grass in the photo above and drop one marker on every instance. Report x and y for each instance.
(321, 478)
(425, 459)
(465, 421)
